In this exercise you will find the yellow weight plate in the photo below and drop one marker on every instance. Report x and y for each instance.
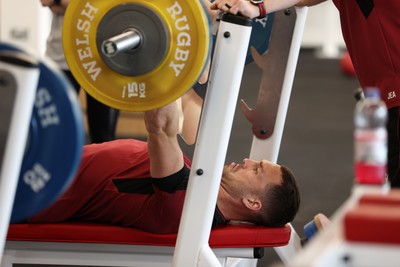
(188, 49)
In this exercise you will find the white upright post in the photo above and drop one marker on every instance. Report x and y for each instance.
(269, 148)
(25, 78)
(192, 248)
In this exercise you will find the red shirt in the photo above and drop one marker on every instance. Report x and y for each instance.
(371, 31)
(113, 185)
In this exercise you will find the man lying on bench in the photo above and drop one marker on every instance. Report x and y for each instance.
(140, 184)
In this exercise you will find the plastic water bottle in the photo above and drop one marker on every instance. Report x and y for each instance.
(370, 138)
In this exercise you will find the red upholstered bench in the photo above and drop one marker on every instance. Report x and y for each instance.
(232, 236)
(75, 243)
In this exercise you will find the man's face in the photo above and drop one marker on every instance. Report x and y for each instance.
(249, 177)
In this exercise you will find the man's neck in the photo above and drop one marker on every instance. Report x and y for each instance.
(229, 206)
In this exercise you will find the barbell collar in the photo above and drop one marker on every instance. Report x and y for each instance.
(125, 41)
(150, 29)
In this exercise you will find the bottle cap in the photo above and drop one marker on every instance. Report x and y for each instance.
(372, 92)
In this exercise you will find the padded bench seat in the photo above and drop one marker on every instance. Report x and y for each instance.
(232, 236)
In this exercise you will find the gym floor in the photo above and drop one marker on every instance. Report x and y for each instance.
(317, 141)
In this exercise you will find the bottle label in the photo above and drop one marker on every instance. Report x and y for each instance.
(370, 155)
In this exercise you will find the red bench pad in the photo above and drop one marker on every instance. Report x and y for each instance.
(375, 218)
(231, 236)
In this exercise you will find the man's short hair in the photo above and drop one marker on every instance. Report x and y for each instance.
(280, 201)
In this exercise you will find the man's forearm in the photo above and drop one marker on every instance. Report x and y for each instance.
(247, 9)
(275, 5)
(309, 2)
(165, 154)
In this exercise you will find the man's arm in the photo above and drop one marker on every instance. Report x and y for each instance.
(56, 8)
(162, 125)
(249, 10)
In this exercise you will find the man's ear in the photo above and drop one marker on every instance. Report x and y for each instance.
(252, 203)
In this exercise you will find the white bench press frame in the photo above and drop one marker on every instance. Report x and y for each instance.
(26, 80)
(192, 248)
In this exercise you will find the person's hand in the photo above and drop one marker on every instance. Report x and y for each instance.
(164, 120)
(247, 9)
(47, 2)
(57, 9)
(244, 7)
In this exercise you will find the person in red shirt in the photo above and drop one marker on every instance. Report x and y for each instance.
(371, 31)
(141, 184)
